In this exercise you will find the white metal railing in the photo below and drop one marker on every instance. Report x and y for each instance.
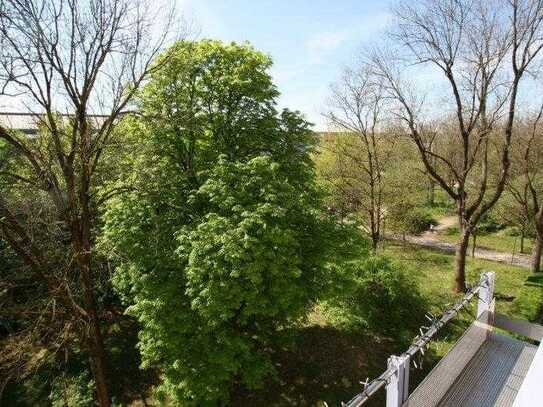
(396, 377)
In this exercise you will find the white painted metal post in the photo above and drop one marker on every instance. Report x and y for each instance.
(486, 294)
(398, 384)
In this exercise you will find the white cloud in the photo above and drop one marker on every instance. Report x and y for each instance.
(326, 41)
(322, 44)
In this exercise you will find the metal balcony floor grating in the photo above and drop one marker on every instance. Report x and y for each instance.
(493, 376)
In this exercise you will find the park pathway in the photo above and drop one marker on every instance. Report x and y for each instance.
(431, 240)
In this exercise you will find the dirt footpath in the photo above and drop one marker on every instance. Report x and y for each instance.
(431, 240)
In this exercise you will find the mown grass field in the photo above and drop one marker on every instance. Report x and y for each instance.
(329, 362)
(493, 241)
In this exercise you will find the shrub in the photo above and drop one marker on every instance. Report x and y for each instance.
(72, 391)
(380, 297)
(419, 220)
(488, 224)
(410, 219)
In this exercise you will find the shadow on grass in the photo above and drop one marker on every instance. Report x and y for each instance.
(128, 382)
(504, 297)
(535, 280)
(326, 365)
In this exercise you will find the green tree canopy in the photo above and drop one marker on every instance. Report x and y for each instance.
(221, 242)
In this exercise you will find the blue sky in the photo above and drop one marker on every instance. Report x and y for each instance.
(310, 41)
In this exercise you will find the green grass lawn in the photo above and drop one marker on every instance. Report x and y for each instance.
(434, 271)
(519, 294)
(329, 362)
(494, 241)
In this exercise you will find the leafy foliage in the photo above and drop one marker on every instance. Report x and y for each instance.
(410, 219)
(380, 297)
(221, 242)
(245, 271)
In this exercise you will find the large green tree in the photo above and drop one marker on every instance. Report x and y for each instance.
(221, 242)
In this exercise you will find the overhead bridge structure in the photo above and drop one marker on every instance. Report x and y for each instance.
(497, 362)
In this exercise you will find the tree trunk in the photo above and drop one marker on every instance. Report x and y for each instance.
(95, 341)
(522, 241)
(460, 262)
(374, 242)
(474, 246)
(81, 235)
(375, 226)
(536, 254)
(98, 366)
(431, 192)
(383, 233)
(97, 358)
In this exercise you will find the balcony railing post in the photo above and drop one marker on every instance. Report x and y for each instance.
(398, 384)
(486, 294)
